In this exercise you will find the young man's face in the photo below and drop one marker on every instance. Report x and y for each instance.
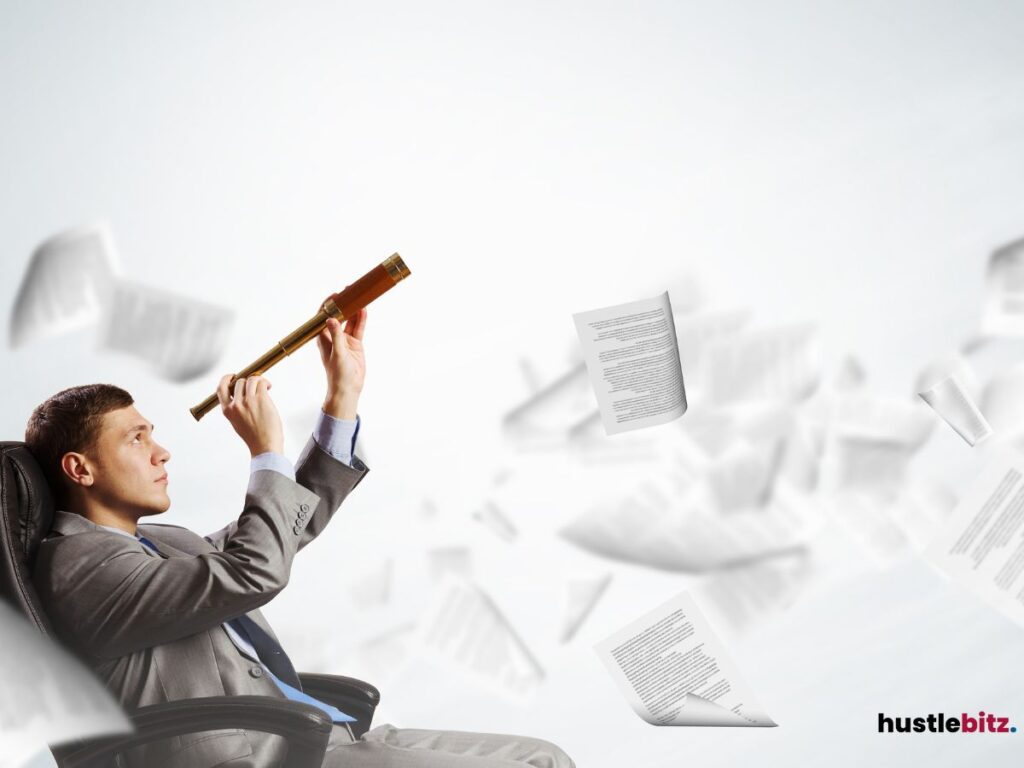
(129, 464)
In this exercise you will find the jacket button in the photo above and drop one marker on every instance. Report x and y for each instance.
(304, 507)
(298, 521)
(256, 671)
(296, 530)
(302, 515)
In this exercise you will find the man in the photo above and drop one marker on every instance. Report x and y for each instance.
(162, 614)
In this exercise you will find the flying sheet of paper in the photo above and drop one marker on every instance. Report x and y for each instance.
(1003, 404)
(554, 410)
(48, 696)
(581, 595)
(492, 517)
(869, 523)
(799, 464)
(988, 356)
(982, 544)
(950, 399)
(673, 670)
(66, 284)
(654, 527)
(182, 337)
(773, 364)
(454, 559)
(849, 376)
(695, 332)
(937, 371)
(870, 441)
(1004, 304)
(632, 357)
(740, 598)
(464, 629)
(921, 509)
(742, 477)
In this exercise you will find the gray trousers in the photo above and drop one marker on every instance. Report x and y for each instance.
(388, 747)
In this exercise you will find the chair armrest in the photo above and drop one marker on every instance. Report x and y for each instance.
(353, 697)
(305, 727)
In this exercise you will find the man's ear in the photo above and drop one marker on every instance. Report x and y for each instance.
(76, 469)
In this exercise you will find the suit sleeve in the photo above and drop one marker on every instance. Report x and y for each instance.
(110, 597)
(331, 479)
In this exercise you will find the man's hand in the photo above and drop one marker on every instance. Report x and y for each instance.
(341, 351)
(252, 413)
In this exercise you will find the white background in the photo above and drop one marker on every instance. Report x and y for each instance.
(848, 163)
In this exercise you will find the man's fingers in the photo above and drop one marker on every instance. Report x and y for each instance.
(222, 390)
(336, 331)
(356, 325)
(239, 391)
(323, 343)
(251, 385)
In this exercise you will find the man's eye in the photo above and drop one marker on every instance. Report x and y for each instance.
(137, 437)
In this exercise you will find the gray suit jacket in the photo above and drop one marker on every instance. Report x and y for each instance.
(151, 627)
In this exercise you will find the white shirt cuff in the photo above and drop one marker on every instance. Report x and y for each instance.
(272, 461)
(337, 437)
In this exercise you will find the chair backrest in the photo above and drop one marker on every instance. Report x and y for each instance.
(26, 514)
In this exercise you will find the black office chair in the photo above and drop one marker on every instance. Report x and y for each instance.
(26, 514)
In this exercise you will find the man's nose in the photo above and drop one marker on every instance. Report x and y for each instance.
(161, 455)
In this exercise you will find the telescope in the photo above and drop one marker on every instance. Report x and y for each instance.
(345, 303)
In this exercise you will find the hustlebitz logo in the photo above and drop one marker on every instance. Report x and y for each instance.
(940, 723)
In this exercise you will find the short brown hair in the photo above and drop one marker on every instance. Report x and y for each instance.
(69, 421)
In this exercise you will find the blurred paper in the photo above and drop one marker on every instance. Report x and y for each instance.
(554, 410)
(850, 376)
(66, 284)
(457, 560)
(1002, 402)
(632, 357)
(374, 588)
(652, 526)
(463, 629)
(743, 476)
(47, 695)
(949, 398)
(937, 371)
(982, 545)
(182, 337)
(799, 464)
(867, 520)
(696, 332)
(870, 441)
(493, 518)
(530, 376)
(1004, 304)
(384, 656)
(775, 364)
(740, 598)
(673, 670)
(582, 594)
(986, 357)
(921, 509)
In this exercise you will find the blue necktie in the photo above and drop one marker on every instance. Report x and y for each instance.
(273, 658)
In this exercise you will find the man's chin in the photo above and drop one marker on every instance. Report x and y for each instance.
(157, 509)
